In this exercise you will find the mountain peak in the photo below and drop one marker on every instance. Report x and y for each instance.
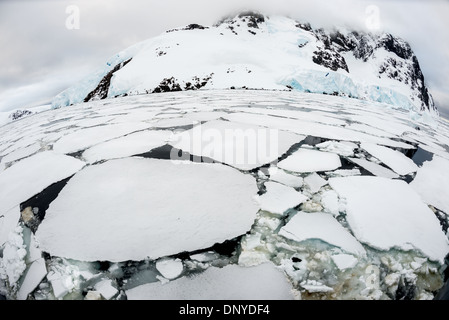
(251, 50)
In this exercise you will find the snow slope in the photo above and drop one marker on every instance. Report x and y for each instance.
(255, 51)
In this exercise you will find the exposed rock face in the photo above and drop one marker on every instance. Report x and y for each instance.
(330, 59)
(19, 114)
(101, 91)
(403, 68)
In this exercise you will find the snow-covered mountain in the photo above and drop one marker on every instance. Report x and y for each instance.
(255, 51)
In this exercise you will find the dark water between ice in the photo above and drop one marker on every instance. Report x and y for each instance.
(421, 156)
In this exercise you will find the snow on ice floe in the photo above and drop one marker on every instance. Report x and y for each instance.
(169, 268)
(132, 144)
(26, 179)
(106, 289)
(397, 161)
(12, 263)
(21, 153)
(344, 261)
(240, 145)
(279, 198)
(305, 160)
(35, 274)
(313, 129)
(279, 175)
(233, 282)
(314, 182)
(131, 209)
(344, 148)
(321, 226)
(375, 168)
(386, 214)
(85, 138)
(432, 183)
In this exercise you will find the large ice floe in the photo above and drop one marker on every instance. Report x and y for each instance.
(233, 194)
(153, 208)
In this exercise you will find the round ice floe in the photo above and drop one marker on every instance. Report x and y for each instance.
(134, 208)
(169, 268)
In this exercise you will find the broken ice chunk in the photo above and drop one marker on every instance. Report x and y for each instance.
(385, 214)
(35, 274)
(344, 173)
(279, 175)
(392, 158)
(344, 148)
(306, 226)
(314, 182)
(311, 206)
(305, 160)
(315, 286)
(205, 256)
(432, 183)
(12, 264)
(106, 289)
(375, 168)
(61, 284)
(344, 261)
(329, 200)
(170, 268)
(135, 143)
(280, 198)
(93, 295)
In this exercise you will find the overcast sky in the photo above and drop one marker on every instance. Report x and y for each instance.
(40, 56)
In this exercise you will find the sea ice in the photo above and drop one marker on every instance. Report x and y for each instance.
(280, 198)
(35, 274)
(305, 160)
(385, 214)
(344, 148)
(344, 261)
(132, 144)
(85, 138)
(314, 182)
(313, 286)
(26, 179)
(118, 210)
(375, 168)
(240, 145)
(432, 183)
(279, 175)
(392, 158)
(169, 268)
(329, 200)
(233, 282)
(322, 226)
(12, 263)
(106, 289)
